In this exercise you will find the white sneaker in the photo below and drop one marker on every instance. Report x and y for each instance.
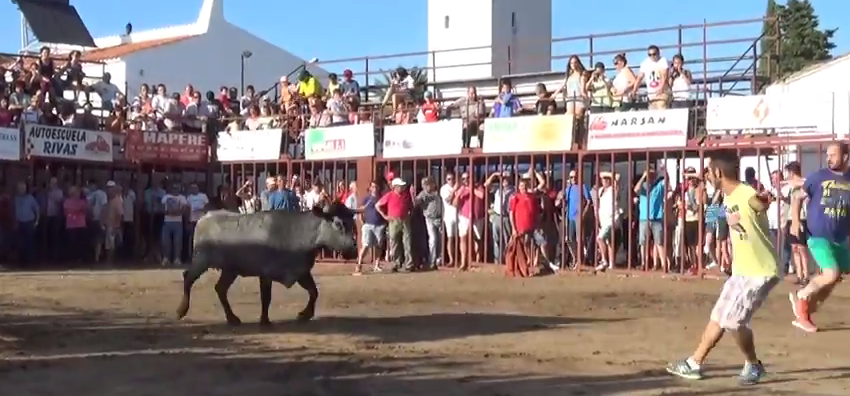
(178, 263)
(166, 263)
(603, 266)
(554, 267)
(711, 265)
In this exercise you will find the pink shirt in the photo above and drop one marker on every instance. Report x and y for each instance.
(75, 212)
(466, 203)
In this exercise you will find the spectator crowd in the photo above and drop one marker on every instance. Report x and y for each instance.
(422, 224)
(44, 91)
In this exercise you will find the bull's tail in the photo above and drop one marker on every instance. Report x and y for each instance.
(199, 265)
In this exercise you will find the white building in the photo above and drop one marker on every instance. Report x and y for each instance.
(507, 37)
(817, 81)
(206, 54)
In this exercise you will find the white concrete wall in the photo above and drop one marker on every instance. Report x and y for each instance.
(469, 25)
(526, 28)
(829, 79)
(211, 60)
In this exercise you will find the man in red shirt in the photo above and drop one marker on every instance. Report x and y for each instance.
(396, 206)
(525, 212)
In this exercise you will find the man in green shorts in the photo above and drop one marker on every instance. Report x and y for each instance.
(828, 224)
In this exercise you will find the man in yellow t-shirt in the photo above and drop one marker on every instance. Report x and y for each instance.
(309, 86)
(754, 273)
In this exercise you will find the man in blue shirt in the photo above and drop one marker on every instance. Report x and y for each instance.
(650, 190)
(828, 221)
(577, 201)
(372, 233)
(506, 104)
(26, 220)
(269, 195)
(278, 196)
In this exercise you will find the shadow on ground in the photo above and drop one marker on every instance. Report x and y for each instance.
(76, 352)
(415, 328)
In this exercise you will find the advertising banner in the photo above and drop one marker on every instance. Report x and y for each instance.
(528, 134)
(68, 143)
(261, 145)
(423, 140)
(10, 144)
(638, 129)
(350, 141)
(153, 146)
(775, 113)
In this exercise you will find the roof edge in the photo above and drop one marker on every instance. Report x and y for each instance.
(812, 69)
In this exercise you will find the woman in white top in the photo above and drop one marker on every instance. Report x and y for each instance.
(608, 213)
(621, 87)
(680, 83)
(573, 87)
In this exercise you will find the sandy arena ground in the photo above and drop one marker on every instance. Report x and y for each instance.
(114, 333)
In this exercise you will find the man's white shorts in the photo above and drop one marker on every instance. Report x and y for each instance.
(451, 226)
(740, 298)
(463, 224)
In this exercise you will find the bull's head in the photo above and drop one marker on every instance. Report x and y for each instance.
(337, 231)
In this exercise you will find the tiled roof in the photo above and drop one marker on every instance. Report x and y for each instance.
(118, 51)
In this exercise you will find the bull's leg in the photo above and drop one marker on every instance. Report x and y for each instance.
(225, 280)
(308, 283)
(265, 300)
(190, 276)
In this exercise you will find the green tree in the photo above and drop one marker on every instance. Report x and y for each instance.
(378, 88)
(802, 42)
(767, 60)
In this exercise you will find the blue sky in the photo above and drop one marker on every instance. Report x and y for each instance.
(368, 27)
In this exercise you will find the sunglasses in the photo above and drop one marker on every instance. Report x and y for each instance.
(652, 53)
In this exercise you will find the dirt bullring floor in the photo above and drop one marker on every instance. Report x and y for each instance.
(114, 333)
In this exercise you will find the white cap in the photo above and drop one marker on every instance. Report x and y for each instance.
(398, 182)
(110, 184)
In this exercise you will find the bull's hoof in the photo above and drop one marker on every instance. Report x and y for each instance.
(234, 321)
(183, 308)
(304, 316)
(266, 323)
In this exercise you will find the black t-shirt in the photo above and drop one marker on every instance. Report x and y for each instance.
(75, 73)
(541, 107)
(45, 68)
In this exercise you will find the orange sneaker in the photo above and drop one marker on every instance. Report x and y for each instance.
(799, 307)
(802, 317)
(805, 324)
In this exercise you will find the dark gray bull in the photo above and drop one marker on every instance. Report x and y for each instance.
(275, 246)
